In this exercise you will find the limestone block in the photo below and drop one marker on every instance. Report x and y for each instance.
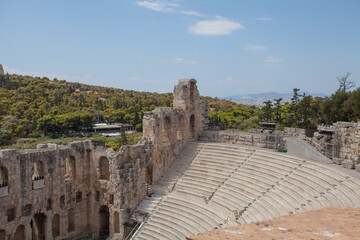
(338, 161)
(357, 167)
(348, 164)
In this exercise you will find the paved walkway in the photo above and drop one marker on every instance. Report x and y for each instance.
(327, 223)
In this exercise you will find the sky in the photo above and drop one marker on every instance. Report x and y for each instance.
(229, 46)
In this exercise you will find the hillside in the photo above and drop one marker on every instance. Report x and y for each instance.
(30, 105)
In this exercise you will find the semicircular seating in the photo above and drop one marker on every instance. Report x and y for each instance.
(223, 185)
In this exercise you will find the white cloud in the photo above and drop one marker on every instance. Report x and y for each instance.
(270, 59)
(192, 13)
(181, 60)
(158, 6)
(254, 47)
(165, 6)
(264, 18)
(219, 26)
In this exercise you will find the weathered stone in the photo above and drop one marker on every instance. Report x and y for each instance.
(81, 190)
(348, 164)
(357, 167)
(1, 70)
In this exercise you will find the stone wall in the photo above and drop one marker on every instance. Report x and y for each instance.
(346, 137)
(83, 190)
(253, 137)
(1, 70)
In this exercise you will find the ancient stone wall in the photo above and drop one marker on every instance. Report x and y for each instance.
(254, 137)
(1, 70)
(87, 191)
(345, 137)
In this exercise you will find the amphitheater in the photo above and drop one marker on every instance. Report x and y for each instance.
(180, 180)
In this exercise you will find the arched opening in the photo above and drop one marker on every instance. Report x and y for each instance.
(180, 128)
(167, 129)
(104, 168)
(192, 126)
(71, 220)
(2, 235)
(38, 226)
(38, 170)
(20, 233)
(149, 174)
(4, 177)
(104, 216)
(192, 97)
(56, 225)
(116, 222)
(70, 168)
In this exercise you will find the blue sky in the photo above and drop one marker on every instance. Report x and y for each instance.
(230, 46)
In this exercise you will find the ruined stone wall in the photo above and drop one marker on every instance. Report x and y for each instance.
(82, 190)
(346, 136)
(1, 70)
(253, 137)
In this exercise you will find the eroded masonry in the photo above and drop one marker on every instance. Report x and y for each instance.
(86, 191)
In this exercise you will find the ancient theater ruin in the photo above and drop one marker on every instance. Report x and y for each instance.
(180, 180)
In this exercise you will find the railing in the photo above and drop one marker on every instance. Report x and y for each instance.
(136, 228)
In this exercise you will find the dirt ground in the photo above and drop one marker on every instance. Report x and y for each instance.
(327, 223)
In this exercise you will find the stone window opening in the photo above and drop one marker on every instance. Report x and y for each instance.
(180, 128)
(116, 222)
(49, 204)
(111, 200)
(104, 168)
(4, 177)
(78, 197)
(97, 196)
(38, 172)
(62, 201)
(10, 213)
(2, 235)
(4, 184)
(71, 220)
(20, 233)
(38, 175)
(149, 175)
(39, 226)
(70, 168)
(56, 225)
(192, 126)
(167, 129)
(104, 222)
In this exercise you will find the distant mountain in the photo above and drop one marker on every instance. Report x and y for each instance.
(257, 99)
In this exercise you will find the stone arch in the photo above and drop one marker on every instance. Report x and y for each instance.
(192, 96)
(104, 168)
(192, 126)
(70, 168)
(180, 128)
(20, 233)
(116, 222)
(39, 227)
(167, 129)
(149, 174)
(71, 220)
(4, 176)
(2, 235)
(56, 225)
(38, 171)
(104, 222)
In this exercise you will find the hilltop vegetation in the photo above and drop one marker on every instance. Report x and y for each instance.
(34, 107)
